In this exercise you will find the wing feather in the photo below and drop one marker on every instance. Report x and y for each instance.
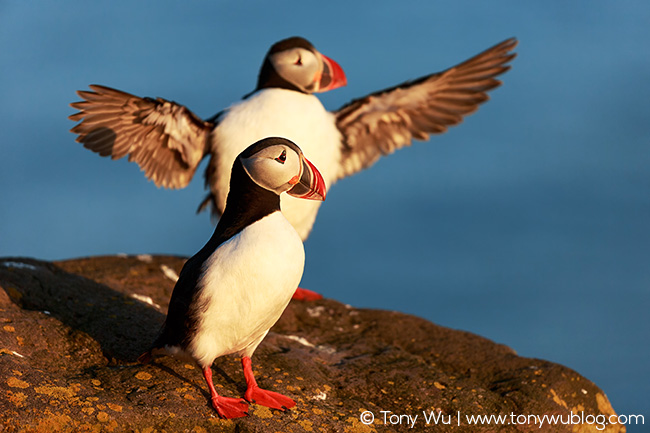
(165, 139)
(385, 121)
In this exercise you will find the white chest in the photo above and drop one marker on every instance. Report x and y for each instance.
(247, 283)
(282, 113)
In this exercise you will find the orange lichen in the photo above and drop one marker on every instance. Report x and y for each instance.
(263, 412)
(88, 410)
(357, 426)
(17, 383)
(59, 392)
(604, 405)
(306, 425)
(558, 400)
(54, 422)
(114, 407)
(16, 398)
(143, 375)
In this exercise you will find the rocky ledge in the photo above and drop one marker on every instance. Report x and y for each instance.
(72, 330)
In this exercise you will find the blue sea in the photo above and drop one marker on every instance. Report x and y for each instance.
(528, 224)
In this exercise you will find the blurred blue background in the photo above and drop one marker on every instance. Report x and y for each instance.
(528, 224)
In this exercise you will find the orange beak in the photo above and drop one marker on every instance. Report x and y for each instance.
(311, 185)
(332, 75)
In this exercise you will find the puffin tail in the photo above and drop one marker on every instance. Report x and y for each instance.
(145, 358)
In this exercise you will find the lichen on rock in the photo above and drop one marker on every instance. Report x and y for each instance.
(71, 332)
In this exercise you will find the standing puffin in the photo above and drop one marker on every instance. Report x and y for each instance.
(236, 287)
(168, 141)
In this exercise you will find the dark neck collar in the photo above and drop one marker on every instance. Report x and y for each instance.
(247, 203)
(269, 78)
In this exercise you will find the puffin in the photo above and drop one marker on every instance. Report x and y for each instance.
(235, 288)
(168, 141)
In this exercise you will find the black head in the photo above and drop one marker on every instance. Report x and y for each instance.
(295, 64)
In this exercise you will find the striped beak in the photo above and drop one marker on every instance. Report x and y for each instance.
(310, 185)
(332, 75)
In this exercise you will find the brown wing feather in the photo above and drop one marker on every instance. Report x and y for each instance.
(385, 121)
(165, 139)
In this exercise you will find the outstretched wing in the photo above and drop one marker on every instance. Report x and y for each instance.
(165, 139)
(385, 121)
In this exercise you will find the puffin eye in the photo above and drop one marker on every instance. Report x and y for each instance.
(299, 61)
(282, 158)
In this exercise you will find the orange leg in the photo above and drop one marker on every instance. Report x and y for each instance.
(306, 295)
(226, 407)
(255, 394)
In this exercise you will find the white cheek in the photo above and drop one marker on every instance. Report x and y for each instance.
(310, 61)
(272, 175)
(293, 166)
(301, 75)
(279, 175)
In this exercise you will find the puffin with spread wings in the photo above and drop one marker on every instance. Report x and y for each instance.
(168, 141)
